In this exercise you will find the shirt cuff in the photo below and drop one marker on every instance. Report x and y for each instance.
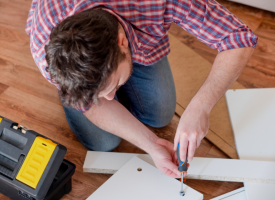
(238, 39)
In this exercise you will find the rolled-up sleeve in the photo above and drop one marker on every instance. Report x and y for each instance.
(213, 24)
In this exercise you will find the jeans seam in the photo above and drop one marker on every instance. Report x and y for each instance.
(136, 93)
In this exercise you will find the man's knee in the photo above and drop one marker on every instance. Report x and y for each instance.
(91, 136)
(105, 146)
(162, 112)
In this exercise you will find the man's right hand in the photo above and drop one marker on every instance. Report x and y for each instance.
(165, 158)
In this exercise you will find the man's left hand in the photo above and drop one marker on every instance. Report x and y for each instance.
(165, 158)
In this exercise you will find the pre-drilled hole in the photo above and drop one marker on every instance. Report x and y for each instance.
(139, 169)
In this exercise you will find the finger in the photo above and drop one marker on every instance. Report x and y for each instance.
(176, 159)
(191, 149)
(170, 145)
(172, 174)
(199, 141)
(173, 168)
(183, 147)
(176, 140)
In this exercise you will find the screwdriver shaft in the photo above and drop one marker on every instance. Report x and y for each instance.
(181, 185)
(181, 188)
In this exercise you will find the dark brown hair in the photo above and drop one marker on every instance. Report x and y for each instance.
(82, 54)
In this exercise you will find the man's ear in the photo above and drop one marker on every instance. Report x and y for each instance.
(122, 39)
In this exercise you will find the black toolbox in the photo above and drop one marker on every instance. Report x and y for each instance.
(15, 144)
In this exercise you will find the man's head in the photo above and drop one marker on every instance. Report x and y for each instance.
(88, 57)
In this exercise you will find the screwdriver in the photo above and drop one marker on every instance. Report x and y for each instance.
(182, 168)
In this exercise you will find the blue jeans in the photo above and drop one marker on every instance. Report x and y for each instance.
(149, 95)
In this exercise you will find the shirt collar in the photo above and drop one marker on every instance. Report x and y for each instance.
(130, 33)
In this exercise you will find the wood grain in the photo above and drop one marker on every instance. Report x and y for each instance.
(266, 29)
(3, 87)
(10, 74)
(14, 14)
(15, 47)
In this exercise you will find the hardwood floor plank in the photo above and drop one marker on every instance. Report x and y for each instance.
(80, 191)
(19, 15)
(28, 106)
(260, 70)
(214, 152)
(167, 132)
(17, 58)
(3, 87)
(204, 148)
(18, 106)
(266, 29)
(15, 48)
(18, 4)
(28, 80)
(13, 39)
(2, 197)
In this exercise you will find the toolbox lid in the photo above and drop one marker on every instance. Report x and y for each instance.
(33, 180)
(36, 161)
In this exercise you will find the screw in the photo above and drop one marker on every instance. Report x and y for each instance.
(182, 193)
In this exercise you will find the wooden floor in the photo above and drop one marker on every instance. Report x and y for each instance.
(27, 98)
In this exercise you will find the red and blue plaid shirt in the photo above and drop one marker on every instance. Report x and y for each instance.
(145, 23)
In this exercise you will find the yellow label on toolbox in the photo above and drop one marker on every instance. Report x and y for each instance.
(36, 161)
(0, 119)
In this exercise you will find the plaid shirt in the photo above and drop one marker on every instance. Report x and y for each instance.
(145, 23)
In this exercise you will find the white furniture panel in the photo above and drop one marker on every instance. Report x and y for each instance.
(147, 184)
(252, 115)
(110, 162)
(200, 168)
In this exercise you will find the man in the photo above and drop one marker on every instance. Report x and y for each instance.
(108, 61)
